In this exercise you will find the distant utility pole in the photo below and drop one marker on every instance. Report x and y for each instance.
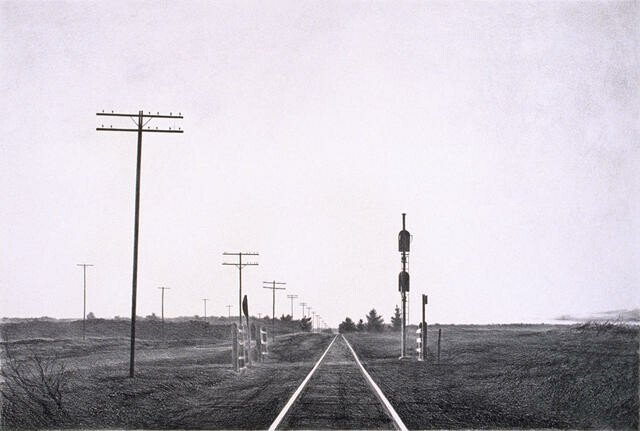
(163, 289)
(273, 316)
(313, 321)
(292, 297)
(228, 310)
(303, 304)
(205, 308)
(139, 121)
(240, 265)
(84, 309)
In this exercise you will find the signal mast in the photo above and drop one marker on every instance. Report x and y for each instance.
(404, 241)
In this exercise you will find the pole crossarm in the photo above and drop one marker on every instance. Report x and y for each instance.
(111, 129)
(114, 114)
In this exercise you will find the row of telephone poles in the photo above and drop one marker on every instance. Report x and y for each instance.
(141, 122)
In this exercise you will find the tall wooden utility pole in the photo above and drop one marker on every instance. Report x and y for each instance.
(84, 284)
(162, 310)
(228, 310)
(303, 305)
(139, 120)
(240, 265)
(273, 316)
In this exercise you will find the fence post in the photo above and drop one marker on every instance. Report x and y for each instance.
(234, 346)
(258, 345)
(439, 334)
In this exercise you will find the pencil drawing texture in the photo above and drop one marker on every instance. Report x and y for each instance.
(439, 202)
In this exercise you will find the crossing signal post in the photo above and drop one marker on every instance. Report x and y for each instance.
(404, 244)
(423, 331)
(140, 120)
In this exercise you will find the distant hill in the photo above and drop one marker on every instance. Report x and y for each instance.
(613, 315)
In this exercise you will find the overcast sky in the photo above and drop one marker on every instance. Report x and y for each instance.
(507, 131)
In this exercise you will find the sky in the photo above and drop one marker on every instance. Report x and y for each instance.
(507, 131)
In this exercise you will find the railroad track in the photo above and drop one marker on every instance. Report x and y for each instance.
(338, 393)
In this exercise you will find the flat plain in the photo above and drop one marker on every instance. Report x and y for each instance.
(499, 376)
(511, 376)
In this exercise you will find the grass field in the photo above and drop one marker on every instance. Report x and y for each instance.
(513, 376)
(186, 385)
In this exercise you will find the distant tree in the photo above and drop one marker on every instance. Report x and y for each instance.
(91, 316)
(152, 316)
(375, 322)
(396, 320)
(347, 326)
(286, 318)
(360, 326)
(305, 324)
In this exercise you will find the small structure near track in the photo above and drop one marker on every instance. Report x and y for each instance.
(241, 346)
(262, 343)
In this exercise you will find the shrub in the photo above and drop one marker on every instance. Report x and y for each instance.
(32, 390)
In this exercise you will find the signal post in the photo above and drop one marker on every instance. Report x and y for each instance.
(404, 241)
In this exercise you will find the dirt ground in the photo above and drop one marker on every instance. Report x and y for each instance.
(515, 376)
(176, 386)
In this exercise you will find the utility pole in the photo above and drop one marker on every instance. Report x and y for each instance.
(292, 297)
(139, 121)
(313, 321)
(162, 313)
(303, 304)
(205, 308)
(273, 317)
(84, 284)
(228, 310)
(240, 265)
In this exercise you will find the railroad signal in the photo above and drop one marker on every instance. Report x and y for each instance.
(404, 246)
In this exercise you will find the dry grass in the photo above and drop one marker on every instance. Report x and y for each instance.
(176, 385)
(511, 377)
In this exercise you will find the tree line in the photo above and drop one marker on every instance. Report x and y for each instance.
(374, 323)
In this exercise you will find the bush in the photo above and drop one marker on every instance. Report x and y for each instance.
(32, 390)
